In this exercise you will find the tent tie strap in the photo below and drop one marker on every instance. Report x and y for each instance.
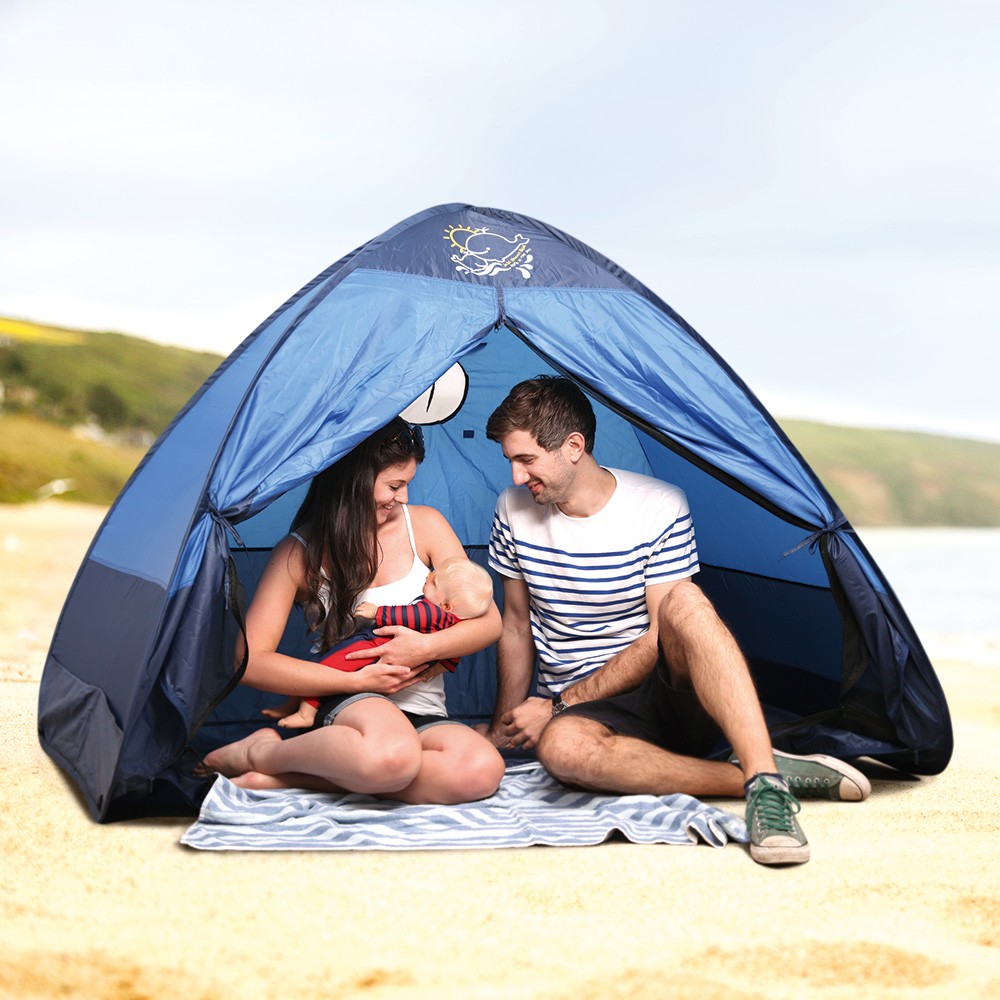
(226, 525)
(817, 536)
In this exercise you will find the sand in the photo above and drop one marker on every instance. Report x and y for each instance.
(900, 899)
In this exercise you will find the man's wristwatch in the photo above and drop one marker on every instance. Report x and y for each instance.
(558, 705)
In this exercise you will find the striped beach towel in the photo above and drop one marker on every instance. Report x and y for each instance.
(529, 808)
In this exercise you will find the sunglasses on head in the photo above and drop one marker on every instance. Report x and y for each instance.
(410, 439)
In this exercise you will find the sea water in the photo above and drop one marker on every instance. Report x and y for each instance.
(948, 582)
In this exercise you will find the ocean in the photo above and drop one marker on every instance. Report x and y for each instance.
(948, 581)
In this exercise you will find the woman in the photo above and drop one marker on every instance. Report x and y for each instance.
(382, 729)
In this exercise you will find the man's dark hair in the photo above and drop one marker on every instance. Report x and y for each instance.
(549, 407)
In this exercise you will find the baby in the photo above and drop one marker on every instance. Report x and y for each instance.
(459, 589)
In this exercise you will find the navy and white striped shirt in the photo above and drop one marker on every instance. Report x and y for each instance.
(587, 576)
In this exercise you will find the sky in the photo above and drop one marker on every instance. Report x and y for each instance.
(812, 186)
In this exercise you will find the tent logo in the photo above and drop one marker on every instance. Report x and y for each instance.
(483, 252)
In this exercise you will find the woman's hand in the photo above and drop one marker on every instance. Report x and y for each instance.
(433, 670)
(387, 678)
(406, 647)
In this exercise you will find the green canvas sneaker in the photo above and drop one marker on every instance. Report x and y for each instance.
(775, 835)
(820, 777)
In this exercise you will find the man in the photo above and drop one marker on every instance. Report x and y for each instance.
(640, 679)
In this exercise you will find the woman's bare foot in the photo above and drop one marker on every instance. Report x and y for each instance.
(262, 782)
(234, 759)
(259, 781)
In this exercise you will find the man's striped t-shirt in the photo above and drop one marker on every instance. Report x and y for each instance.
(587, 576)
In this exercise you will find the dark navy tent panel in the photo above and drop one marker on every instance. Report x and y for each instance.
(436, 319)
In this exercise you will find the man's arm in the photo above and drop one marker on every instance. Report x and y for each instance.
(522, 725)
(515, 655)
(626, 670)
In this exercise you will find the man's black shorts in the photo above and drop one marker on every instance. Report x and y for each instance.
(658, 713)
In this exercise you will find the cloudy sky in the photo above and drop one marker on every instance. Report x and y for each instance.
(813, 186)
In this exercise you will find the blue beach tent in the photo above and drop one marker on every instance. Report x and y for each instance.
(436, 319)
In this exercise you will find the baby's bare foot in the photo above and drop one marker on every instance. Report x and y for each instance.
(280, 711)
(298, 720)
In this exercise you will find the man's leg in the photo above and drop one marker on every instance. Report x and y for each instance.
(584, 753)
(702, 655)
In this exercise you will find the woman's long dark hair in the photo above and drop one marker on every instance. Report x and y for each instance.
(339, 527)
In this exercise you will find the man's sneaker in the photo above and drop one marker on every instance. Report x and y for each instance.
(820, 777)
(775, 835)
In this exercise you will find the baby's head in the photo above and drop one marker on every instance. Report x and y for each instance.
(461, 587)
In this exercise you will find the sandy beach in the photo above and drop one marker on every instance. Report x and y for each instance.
(901, 898)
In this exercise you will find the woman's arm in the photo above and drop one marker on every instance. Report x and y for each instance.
(436, 542)
(282, 581)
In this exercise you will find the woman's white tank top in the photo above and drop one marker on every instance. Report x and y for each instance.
(424, 697)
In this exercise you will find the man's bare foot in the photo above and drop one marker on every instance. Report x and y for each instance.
(234, 759)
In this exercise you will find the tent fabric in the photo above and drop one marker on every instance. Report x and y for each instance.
(436, 319)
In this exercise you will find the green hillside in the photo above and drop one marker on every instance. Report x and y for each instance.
(39, 458)
(884, 477)
(78, 409)
(124, 384)
(125, 390)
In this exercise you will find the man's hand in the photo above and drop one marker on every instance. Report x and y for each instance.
(521, 727)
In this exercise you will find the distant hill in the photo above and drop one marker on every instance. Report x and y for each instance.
(887, 477)
(123, 384)
(79, 408)
(40, 459)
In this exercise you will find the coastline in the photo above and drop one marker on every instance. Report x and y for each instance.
(901, 898)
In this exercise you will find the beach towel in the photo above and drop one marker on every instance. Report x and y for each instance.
(529, 808)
